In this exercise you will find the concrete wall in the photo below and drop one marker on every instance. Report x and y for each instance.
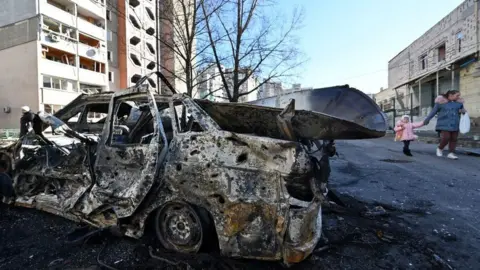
(19, 33)
(406, 65)
(18, 82)
(12, 11)
(470, 88)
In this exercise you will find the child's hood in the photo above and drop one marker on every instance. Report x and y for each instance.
(442, 100)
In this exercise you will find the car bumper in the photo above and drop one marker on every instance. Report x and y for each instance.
(303, 232)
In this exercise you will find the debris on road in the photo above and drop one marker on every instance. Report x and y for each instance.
(376, 211)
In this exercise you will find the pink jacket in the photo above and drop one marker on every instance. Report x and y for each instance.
(407, 130)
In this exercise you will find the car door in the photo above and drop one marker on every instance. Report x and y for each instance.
(126, 170)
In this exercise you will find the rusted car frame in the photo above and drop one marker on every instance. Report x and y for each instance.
(254, 187)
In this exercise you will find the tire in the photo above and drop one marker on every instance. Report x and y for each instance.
(179, 227)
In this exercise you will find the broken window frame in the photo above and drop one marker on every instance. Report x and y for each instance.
(177, 122)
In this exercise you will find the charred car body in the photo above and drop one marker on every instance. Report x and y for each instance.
(240, 173)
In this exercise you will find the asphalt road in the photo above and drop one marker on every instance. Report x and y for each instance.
(400, 212)
(437, 198)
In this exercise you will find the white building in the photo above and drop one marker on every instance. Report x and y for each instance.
(133, 46)
(212, 81)
(51, 50)
(269, 89)
(210, 85)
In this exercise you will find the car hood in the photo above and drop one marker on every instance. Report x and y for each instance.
(262, 121)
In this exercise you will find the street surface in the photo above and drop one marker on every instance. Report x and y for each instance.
(419, 212)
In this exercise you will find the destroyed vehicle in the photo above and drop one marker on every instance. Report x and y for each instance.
(197, 170)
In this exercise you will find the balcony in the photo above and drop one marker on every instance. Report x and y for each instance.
(92, 52)
(58, 41)
(58, 69)
(92, 6)
(55, 96)
(91, 29)
(91, 48)
(92, 77)
(58, 13)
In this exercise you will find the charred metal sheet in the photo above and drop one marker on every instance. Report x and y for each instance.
(342, 102)
(261, 121)
(284, 121)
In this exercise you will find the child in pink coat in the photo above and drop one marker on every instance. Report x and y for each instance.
(404, 131)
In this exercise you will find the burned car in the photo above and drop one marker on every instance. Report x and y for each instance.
(198, 170)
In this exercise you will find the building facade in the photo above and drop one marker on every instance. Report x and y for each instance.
(133, 43)
(444, 58)
(51, 51)
(210, 85)
(269, 89)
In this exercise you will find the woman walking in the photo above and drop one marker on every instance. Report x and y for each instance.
(448, 106)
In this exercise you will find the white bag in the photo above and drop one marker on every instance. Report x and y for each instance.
(464, 123)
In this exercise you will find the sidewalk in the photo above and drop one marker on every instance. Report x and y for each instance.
(466, 143)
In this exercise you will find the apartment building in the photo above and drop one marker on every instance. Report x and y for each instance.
(51, 50)
(444, 58)
(210, 85)
(269, 89)
(249, 88)
(133, 32)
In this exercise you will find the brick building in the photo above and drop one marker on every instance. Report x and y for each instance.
(444, 58)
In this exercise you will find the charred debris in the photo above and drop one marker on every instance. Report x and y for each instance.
(251, 177)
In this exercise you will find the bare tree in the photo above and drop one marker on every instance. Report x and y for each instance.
(255, 40)
(184, 46)
(183, 41)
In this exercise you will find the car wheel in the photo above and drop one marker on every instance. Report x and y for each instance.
(179, 228)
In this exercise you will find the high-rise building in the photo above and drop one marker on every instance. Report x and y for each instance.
(133, 42)
(51, 51)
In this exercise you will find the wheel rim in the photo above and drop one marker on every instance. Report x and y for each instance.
(179, 228)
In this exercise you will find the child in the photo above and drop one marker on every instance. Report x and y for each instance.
(404, 132)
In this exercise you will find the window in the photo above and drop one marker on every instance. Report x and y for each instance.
(151, 65)
(152, 82)
(150, 13)
(51, 109)
(441, 52)
(459, 41)
(109, 35)
(134, 22)
(150, 48)
(74, 119)
(57, 83)
(110, 76)
(185, 121)
(135, 60)
(109, 15)
(109, 56)
(423, 62)
(135, 78)
(132, 125)
(94, 117)
(134, 41)
(47, 82)
(150, 31)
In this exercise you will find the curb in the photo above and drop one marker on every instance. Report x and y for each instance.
(460, 143)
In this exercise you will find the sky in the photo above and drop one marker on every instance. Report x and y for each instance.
(351, 41)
